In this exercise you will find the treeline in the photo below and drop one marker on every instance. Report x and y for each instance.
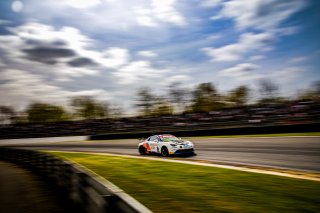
(79, 108)
(177, 100)
(205, 98)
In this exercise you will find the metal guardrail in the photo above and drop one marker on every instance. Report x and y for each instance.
(86, 190)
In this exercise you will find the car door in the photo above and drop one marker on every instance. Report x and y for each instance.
(157, 144)
(153, 143)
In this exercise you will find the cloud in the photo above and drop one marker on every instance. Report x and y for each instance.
(81, 62)
(83, 4)
(210, 3)
(299, 59)
(113, 57)
(65, 62)
(259, 14)
(241, 72)
(287, 74)
(256, 57)
(20, 87)
(146, 21)
(159, 12)
(46, 35)
(214, 37)
(177, 79)
(138, 71)
(47, 55)
(65, 46)
(264, 17)
(147, 53)
(5, 22)
(40, 48)
(250, 74)
(1, 63)
(247, 42)
(121, 16)
(88, 45)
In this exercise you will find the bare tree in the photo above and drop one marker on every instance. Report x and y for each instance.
(145, 101)
(178, 97)
(268, 90)
(239, 96)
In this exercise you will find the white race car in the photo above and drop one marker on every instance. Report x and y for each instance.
(165, 145)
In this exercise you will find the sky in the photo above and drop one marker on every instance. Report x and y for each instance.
(52, 50)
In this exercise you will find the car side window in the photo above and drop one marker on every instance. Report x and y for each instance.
(152, 138)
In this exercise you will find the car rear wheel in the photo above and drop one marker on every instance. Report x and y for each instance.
(164, 152)
(142, 150)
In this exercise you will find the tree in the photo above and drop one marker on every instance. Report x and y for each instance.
(205, 98)
(88, 108)
(239, 96)
(316, 87)
(115, 111)
(178, 97)
(268, 91)
(315, 90)
(7, 114)
(145, 101)
(161, 107)
(312, 93)
(44, 113)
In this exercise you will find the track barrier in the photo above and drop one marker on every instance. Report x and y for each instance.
(250, 130)
(84, 189)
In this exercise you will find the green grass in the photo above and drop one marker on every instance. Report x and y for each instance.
(176, 187)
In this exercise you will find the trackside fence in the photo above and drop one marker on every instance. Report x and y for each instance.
(249, 130)
(84, 189)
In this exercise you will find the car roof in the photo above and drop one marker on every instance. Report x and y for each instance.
(166, 135)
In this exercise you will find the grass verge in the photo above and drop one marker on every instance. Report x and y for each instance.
(172, 187)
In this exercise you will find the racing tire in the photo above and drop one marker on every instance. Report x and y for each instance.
(164, 152)
(142, 150)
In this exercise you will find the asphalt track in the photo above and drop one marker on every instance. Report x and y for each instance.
(295, 153)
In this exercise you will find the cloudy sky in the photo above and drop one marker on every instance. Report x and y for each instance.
(51, 50)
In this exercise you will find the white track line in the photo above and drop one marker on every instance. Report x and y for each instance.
(260, 171)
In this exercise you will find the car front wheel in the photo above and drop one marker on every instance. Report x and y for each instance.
(164, 152)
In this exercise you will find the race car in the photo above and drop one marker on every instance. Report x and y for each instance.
(165, 145)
